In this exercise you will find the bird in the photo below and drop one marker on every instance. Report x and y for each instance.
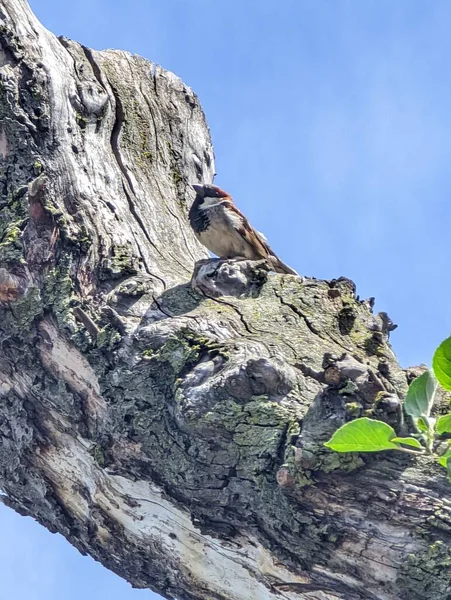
(224, 230)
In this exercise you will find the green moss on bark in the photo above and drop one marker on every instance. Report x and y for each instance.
(427, 574)
(18, 317)
(121, 262)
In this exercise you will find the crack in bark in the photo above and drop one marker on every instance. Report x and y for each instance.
(115, 133)
(299, 313)
(157, 148)
(117, 127)
(235, 308)
(308, 323)
(171, 212)
(152, 116)
(280, 452)
(94, 66)
(185, 315)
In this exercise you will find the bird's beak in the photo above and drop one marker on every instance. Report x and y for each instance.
(199, 189)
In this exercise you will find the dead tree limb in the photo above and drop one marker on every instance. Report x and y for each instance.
(175, 433)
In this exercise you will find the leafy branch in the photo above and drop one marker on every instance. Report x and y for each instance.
(370, 435)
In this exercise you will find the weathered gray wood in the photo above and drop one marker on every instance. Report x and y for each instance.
(174, 431)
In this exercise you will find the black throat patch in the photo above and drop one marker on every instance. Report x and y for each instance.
(198, 218)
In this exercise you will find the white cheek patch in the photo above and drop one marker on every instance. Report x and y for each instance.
(209, 203)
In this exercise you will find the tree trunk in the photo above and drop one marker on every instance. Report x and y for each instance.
(174, 430)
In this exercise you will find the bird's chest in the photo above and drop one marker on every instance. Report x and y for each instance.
(219, 218)
(218, 231)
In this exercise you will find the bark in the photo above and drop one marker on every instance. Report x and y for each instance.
(174, 430)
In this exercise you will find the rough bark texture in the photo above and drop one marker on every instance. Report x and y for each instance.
(172, 430)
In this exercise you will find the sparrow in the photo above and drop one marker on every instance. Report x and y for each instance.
(225, 231)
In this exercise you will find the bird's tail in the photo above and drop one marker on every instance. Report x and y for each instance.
(281, 267)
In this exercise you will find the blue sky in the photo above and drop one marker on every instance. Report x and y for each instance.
(331, 123)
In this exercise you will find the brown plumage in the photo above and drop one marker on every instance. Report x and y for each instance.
(225, 231)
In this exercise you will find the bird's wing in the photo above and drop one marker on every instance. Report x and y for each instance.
(253, 238)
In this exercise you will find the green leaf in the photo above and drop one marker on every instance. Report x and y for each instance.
(444, 457)
(407, 441)
(363, 435)
(444, 424)
(422, 424)
(441, 363)
(420, 395)
(445, 461)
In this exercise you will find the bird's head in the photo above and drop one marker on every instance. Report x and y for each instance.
(209, 191)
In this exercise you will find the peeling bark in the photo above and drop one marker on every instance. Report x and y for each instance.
(164, 412)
